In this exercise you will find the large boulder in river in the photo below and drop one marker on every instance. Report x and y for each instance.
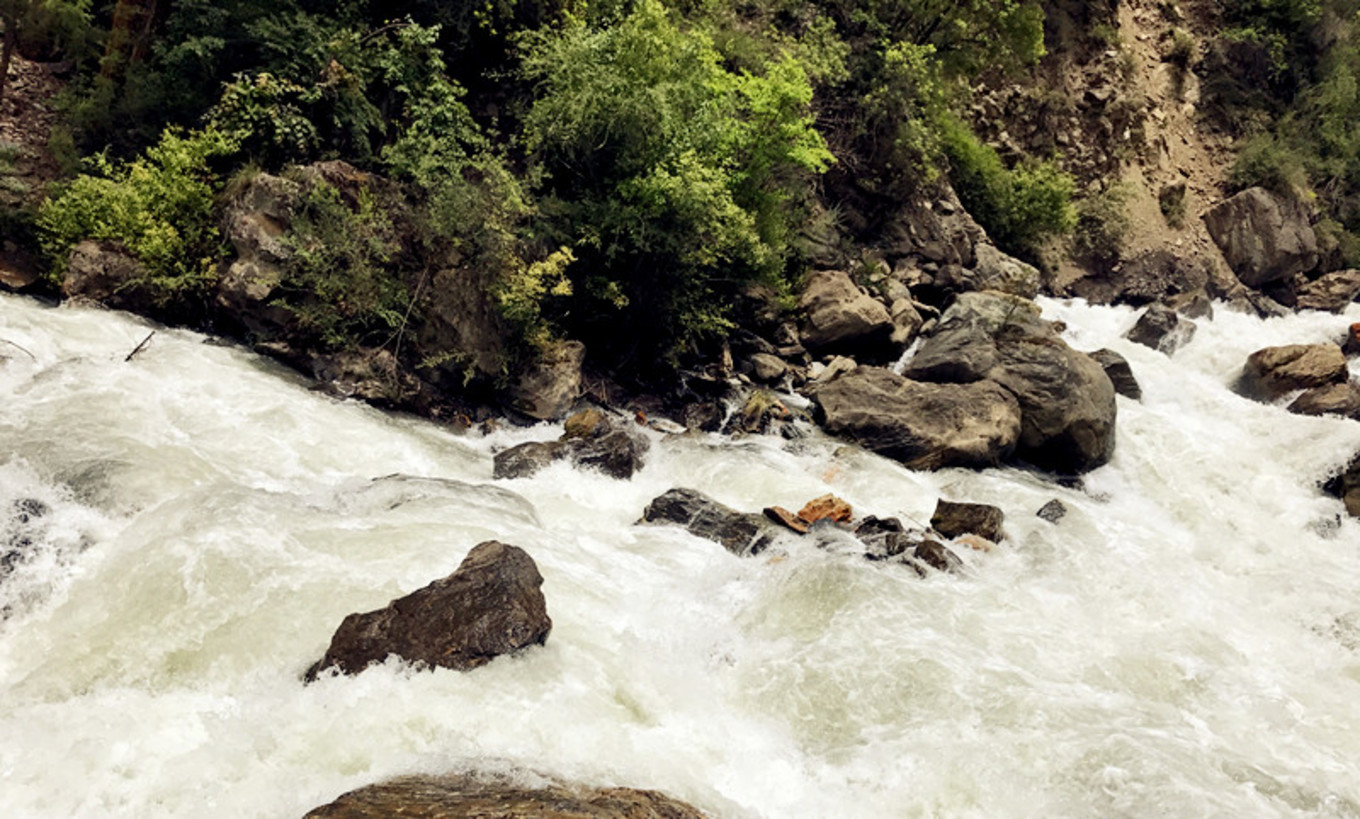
(491, 605)
(1066, 399)
(591, 439)
(925, 426)
(741, 533)
(1332, 399)
(1162, 329)
(1274, 371)
(1121, 376)
(839, 317)
(954, 519)
(1264, 236)
(526, 797)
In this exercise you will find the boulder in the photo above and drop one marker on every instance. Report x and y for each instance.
(1121, 377)
(472, 795)
(1274, 371)
(934, 554)
(491, 605)
(827, 507)
(549, 387)
(995, 270)
(740, 533)
(767, 368)
(105, 272)
(961, 348)
(839, 317)
(1265, 237)
(526, 459)
(1346, 486)
(1150, 276)
(953, 519)
(1195, 304)
(1331, 293)
(1162, 329)
(925, 426)
(463, 335)
(907, 322)
(1332, 399)
(255, 218)
(933, 232)
(787, 519)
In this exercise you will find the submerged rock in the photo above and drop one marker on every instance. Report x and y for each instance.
(469, 795)
(491, 605)
(925, 426)
(1275, 371)
(741, 533)
(954, 519)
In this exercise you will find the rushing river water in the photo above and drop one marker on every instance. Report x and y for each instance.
(1185, 642)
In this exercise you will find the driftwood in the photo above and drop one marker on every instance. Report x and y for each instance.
(138, 348)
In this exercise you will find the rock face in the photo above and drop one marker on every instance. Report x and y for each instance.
(840, 318)
(1265, 237)
(1331, 292)
(1275, 371)
(105, 272)
(1117, 368)
(463, 795)
(953, 519)
(1148, 277)
(549, 388)
(741, 533)
(590, 439)
(925, 426)
(1162, 329)
(491, 605)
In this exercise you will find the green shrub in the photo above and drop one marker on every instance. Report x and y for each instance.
(673, 180)
(1018, 207)
(1270, 163)
(1102, 225)
(158, 206)
(339, 280)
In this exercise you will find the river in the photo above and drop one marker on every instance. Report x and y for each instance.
(1184, 642)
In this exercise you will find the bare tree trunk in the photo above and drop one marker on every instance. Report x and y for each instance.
(11, 40)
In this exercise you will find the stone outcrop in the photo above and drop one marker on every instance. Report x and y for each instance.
(741, 533)
(105, 272)
(1275, 371)
(491, 605)
(1148, 277)
(839, 317)
(1162, 329)
(470, 795)
(925, 426)
(1331, 293)
(1264, 236)
(591, 440)
(1119, 372)
(954, 519)
(547, 390)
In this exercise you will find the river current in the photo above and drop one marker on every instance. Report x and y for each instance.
(196, 523)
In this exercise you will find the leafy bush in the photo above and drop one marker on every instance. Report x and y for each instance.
(1018, 207)
(339, 282)
(1102, 225)
(673, 179)
(158, 206)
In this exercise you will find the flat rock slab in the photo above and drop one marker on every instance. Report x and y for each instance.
(472, 797)
(741, 533)
(491, 605)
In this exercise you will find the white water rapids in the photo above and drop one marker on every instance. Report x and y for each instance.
(1185, 642)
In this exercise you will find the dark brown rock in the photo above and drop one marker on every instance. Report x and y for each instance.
(526, 459)
(591, 439)
(740, 533)
(491, 605)
(953, 519)
(1053, 511)
(1274, 371)
(464, 796)
(936, 555)
(549, 387)
(1264, 236)
(1117, 368)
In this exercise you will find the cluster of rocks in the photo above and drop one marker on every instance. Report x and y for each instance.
(590, 439)
(831, 523)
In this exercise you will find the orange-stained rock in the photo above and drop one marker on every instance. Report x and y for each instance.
(784, 517)
(827, 506)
